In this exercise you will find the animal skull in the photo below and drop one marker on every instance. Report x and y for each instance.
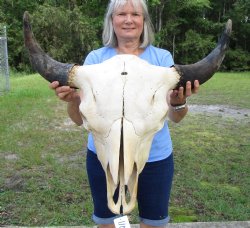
(124, 105)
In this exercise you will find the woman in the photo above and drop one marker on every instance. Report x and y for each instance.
(128, 30)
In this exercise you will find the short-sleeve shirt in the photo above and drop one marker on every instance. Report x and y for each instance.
(161, 146)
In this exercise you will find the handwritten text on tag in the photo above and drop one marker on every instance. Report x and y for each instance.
(122, 222)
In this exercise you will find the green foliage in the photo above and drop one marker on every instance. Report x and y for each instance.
(67, 35)
(69, 29)
(198, 4)
(195, 47)
(191, 28)
(11, 13)
(237, 60)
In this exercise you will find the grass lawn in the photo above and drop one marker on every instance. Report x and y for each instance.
(42, 157)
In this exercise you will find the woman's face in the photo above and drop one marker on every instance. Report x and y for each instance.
(128, 22)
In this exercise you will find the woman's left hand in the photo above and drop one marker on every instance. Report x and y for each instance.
(178, 97)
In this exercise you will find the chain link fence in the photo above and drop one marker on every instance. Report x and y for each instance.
(4, 65)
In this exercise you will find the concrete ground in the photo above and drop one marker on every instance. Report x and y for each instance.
(207, 225)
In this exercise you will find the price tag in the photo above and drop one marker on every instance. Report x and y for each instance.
(122, 222)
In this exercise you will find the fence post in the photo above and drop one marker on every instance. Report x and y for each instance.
(4, 64)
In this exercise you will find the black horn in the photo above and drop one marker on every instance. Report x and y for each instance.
(49, 68)
(205, 68)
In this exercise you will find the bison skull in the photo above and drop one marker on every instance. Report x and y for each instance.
(124, 105)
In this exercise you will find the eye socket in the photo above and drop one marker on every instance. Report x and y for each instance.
(83, 117)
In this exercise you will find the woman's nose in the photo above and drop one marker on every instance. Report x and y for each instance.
(128, 18)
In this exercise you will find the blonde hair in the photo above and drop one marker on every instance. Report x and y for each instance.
(109, 37)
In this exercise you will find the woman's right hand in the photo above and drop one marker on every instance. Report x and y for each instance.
(71, 96)
(64, 93)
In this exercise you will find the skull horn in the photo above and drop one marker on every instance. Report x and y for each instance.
(49, 68)
(205, 68)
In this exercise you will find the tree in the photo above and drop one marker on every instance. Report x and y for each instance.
(11, 15)
(69, 29)
(238, 57)
(65, 34)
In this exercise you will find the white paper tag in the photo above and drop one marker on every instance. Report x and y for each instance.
(122, 222)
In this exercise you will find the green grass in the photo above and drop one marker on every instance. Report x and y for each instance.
(226, 89)
(212, 168)
(42, 161)
(45, 181)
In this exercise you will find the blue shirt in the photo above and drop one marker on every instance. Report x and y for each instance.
(161, 146)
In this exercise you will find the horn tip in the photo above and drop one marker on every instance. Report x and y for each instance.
(229, 26)
(26, 16)
(26, 21)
